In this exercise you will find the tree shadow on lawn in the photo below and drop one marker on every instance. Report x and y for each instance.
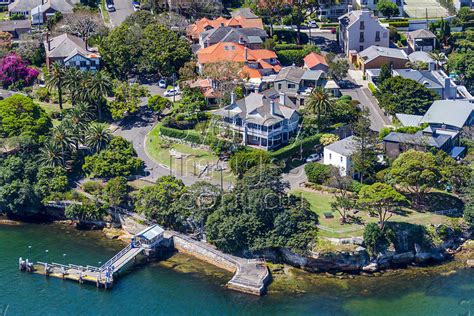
(441, 203)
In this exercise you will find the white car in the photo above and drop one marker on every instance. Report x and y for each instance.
(110, 7)
(171, 92)
(312, 24)
(136, 5)
(162, 83)
(313, 158)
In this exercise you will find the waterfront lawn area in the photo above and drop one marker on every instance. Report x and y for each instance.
(3, 15)
(331, 227)
(159, 149)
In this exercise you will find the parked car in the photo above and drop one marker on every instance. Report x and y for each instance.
(312, 24)
(162, 83)
(313, 158)
(171, 92)
(136, 5)
(110, 6)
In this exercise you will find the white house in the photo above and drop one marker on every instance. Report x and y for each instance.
(339, 154)
(359, 29)
(262, 121)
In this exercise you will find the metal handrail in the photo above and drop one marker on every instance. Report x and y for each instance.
(116, 257)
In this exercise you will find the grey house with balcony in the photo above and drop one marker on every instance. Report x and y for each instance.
(297, 83)
(263, 122)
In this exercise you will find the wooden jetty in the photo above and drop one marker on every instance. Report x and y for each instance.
(145, 242)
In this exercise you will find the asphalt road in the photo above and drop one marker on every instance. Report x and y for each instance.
(123, 8)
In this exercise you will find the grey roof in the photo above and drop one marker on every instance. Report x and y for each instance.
(244, 12)
(23, 5)
(312, 75)
(450, 112)
(274, 94)
(345, 146)
(13, 25)
(350, 17)
(374, 52)
(63, 45)
(257, 108)
(232, 34)
(422, 33)
(373, 72)
(409, 119)
(291, 73)
(437, 140)
(420, 56)
(151, 232)
(425, 77)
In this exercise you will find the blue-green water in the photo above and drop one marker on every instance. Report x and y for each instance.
(163, 289)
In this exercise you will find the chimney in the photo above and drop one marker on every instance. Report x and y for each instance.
(241, 40)
(349, 8)
(246, 54)
(232, 97)
(282, 98)
(432, 66)
(447, 88)
(256, 89)
(272, 107)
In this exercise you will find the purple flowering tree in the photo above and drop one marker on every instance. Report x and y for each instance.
(14, 70)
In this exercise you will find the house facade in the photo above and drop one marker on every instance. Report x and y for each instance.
(71, 51)
(338, 154)
(15, 27)
(421, 40)
(374, 57)
(262, 122)
(23, 7)
(359, 29)
(331, 10)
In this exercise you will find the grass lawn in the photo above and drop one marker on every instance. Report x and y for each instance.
(3, 15)
(195, 158)
(331, 227)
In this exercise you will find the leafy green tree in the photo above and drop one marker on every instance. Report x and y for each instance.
(118, 159)
(415, 171)
(385, 73)
(317, 173)
(320, 104)
(300, 10)
(400, 95)
(19, 114)
(156, 201)
(382, 200)
(328, 139)
(338, 69)
(127, 99)
(159, 103)
(50, 180)
(85, 212)
(54, 80)
(455, 174)
(374, 238)
(469, 207)
(96, 88)
(462, 63)
(115, 191)
(387, 8)
(243, 160)
(270, 10)
(344, 200)
(147, 49)
(364, 158)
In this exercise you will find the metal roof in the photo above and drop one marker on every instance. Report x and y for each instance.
(374, 52)
(418, 138)
(409, 119)
(345, 147)
(151, 232)
(450, 112)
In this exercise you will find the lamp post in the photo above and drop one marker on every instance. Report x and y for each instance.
(29, 252)
(64, 258)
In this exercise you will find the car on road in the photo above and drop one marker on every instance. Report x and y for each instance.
(312, 24)
(313, 158)
(110, 6)
(171, 92)
(136, 5)
(162, 83)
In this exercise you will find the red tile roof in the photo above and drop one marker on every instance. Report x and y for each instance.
(203, 24)
(313, 59)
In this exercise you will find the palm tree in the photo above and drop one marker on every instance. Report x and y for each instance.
(54, 80)
(77, 119)
(50, 155)
(98, 87)
(62, 137)
(319, 103)
(97, 136)
(439, 58)
(72, 82)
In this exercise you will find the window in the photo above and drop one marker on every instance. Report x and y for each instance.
(341, 158)
(93, 63)
(377, 36)
(83, 64)
(361, 48)
(361, 37)
(291, 86)
(330, 156)
(279, 86)
(362, 25)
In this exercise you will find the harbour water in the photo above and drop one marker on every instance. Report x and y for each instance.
(186, 286)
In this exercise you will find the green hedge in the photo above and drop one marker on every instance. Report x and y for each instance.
(187, 135)
(279, 47)
(290, 36)
(288, 151)
(372, 88)
(399, 24)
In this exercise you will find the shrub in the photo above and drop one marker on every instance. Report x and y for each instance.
(290, 36)
(243, 160)
(187, 135)
(328, 139)
(304, 144)
(92, 187)
(374, 238)
(372, 88)
(279, 47)
(399, 24)
(317, 173)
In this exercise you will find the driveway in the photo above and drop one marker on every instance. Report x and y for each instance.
(123, 8)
